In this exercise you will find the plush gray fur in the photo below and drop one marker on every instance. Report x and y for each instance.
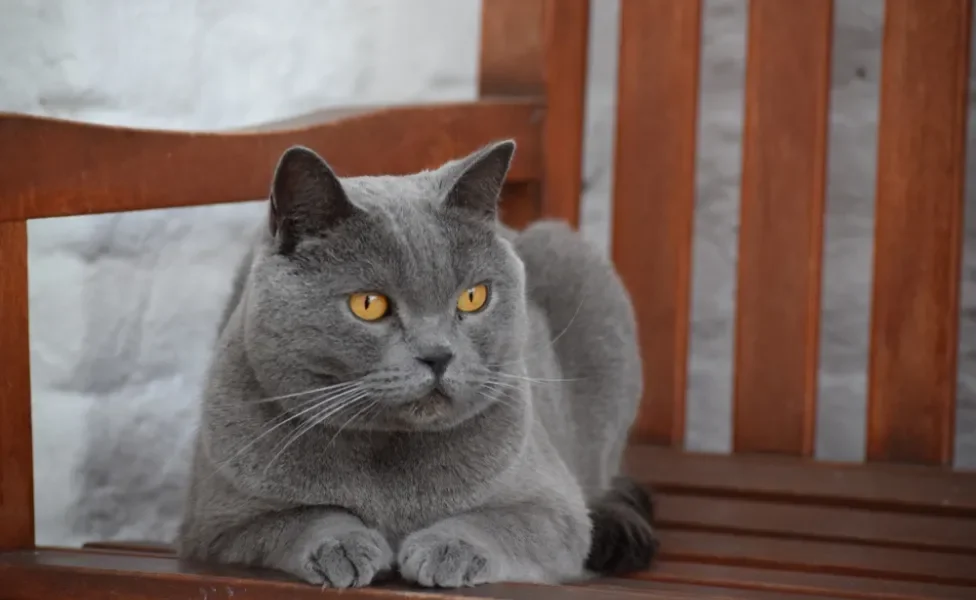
(329, 450)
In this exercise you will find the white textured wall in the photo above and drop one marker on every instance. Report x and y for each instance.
(123, 305)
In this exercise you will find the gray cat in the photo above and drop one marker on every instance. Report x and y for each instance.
(401, 384)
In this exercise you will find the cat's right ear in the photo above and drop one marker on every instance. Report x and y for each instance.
(307, 198)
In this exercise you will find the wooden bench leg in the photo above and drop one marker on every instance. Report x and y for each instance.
(16, 459)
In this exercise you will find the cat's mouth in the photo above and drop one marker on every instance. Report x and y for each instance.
(430, 408)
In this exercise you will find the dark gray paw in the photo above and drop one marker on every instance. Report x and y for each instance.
(350, 559)
(435, 560)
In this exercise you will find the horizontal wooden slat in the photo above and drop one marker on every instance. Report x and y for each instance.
(807, 555)
(695, 578)
(918, 230)
(680, 591)
(825, 523)
(133, 547)
(834, 586)
(79, 575)
(784, 175)
(54, 168)
(892, 487)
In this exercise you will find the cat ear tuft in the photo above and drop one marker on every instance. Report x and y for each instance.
(307, 198)
(479, 179)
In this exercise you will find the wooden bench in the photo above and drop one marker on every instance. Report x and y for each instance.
(767, 522)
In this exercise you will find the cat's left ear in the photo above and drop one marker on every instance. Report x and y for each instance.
(479, 178)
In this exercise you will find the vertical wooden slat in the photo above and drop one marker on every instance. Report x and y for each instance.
(511, 61)
(16, 462)
(918, 236)
(519, 206)
(654, 196)
(539, 48)
(511, 64)
(781, 229)
(566, 25)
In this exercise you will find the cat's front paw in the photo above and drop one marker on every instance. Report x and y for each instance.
(348, 559)
(436, 559)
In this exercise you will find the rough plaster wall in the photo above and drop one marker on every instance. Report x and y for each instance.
(123, 305)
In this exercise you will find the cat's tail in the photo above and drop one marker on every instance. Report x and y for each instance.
(623, 536)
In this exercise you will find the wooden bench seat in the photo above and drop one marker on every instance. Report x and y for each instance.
(735, 526)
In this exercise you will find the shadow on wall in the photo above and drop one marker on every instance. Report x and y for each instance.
(123, 306)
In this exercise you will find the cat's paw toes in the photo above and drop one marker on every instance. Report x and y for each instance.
(432, 560)
(350, 559)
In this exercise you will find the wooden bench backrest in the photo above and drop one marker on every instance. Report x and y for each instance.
(920, 175)
(919, 202)
(535, 53)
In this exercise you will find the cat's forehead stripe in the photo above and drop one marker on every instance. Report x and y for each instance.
(417, 249)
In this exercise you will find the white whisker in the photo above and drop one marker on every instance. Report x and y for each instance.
(368, 406)
(328, 388)
(531, 379)
(571, 320)
(556, 338)
(500, 393)
(317, 403)
(312, 423)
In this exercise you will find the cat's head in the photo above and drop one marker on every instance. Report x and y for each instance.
(394, 295)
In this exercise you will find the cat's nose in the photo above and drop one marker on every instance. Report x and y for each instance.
(437, 361)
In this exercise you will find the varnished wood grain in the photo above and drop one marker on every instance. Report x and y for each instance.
(781, 229)
(565, 37)
(519, 205)
(809, 521)
(815, 556)
(705, 509)
(539, 47)
(904, 488)
(90, 576)
(56, 168)
(788, 525)
(132, 547)
(16, 462)
(682, 591)
(918, 235)
(654, 196)
(803, 582)
(511, 62)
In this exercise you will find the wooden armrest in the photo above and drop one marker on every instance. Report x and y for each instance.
(56, 168)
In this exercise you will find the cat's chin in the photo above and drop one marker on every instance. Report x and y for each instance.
(434, 411)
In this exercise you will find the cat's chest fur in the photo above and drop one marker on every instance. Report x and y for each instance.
(396, 483)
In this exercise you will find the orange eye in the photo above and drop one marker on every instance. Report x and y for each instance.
(473, 299)
(369, 306)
